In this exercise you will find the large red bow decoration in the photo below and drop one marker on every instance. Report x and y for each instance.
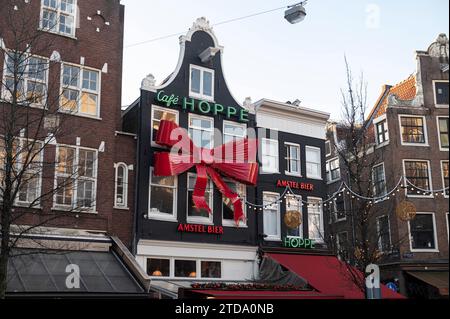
(230, 159)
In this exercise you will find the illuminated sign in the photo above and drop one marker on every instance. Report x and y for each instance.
(202, 106)
(296, 185)
(200, 229)
(298, 242)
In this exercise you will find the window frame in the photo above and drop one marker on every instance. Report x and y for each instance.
(124, 205)
(328, 165)
(335, 209)
(438, 118)
(263, 168)
(288, 159)
(376, 122)
(62, 207)
(433, 250)
(435, 94)
(300, 205)
(276, 237)
(59, 12)
(425, 130)
(327, 142)
(198, 219)
(201, 95)
(235, 124)
(307, 147)
(311, 199)
(374, 186)
(430, 179)
(80, 90)
(446, 195)
(163, 216)
(198, 268)
(231, 223)
(206, 118)
(161, 109)
(380, 243)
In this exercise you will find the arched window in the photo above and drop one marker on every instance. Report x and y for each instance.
(121, 192)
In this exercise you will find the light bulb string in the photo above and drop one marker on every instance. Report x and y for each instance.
(427, 190)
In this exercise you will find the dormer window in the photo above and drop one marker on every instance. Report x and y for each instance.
(201, 83)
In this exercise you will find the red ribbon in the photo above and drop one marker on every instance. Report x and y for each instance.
(230, 159)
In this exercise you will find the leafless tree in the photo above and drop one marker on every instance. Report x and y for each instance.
(34, 112)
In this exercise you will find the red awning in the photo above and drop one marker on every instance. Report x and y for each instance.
(263, 294)
(328, 275)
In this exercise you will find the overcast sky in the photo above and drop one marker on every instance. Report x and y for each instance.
(266, 57)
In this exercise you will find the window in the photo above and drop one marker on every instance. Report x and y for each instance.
(315, 219)
(333, 170)
(121, 192)
(162, 197)
(30, 73)
(422, 231)
(201, 131)
(270, 163)
(444, 168)
(418, 174)
(185, 269)
(338, 207)
(413, 130)
(382, 132)
(342, 245)
(196, 215)
(59, 16)
(384, 234)
(292, 159)
(158, 267)
(379, 181)
(327, 148)
(443, 133)
(272, 222)
(233, 131)
(202, 83)
(227, 205)
(211, 269)
(294, 203)
(76, 178)
(313, 163)
(80, 90)
(159, 114)
(441, 93)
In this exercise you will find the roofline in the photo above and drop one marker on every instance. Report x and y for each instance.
(295, 110)
(131, 106)
(386, 89)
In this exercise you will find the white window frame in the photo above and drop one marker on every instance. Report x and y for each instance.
(435, 94)
(201, 95)
(80, 90)
(201, 117)
(321, 221)
(198, 268)
(197, 219)
(376, 122)
(385, 182)
(161, 109)
(5, 94)
(328, 165)
(263, 168)
(170, 259)
(439, 133)
(299, 160)
(443, 178)
(300, 205)
(380, 244)
(162, 216)
(319, 177)
(328, 143)
(61, 207)
(425, 130)
(276, 237)
(59, 12)
(231, 223)
(237, 125)
(335, 209)
(409, 185)
(123, 205)
(434, 250)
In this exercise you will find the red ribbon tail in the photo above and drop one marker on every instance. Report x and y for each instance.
(198, 196)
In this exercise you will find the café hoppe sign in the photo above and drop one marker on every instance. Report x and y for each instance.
(202, 106)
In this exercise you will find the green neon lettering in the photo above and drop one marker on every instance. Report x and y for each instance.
(218, 109)
(201, 106)
(187, 103)
(231, 111)
(243, 115)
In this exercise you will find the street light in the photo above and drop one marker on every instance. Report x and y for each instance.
(296, 13)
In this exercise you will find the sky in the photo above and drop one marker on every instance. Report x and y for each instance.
(267, 57)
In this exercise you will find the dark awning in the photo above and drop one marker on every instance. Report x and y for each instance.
(44, 272)
(437, 279)
(327, 274)
(255, 294)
